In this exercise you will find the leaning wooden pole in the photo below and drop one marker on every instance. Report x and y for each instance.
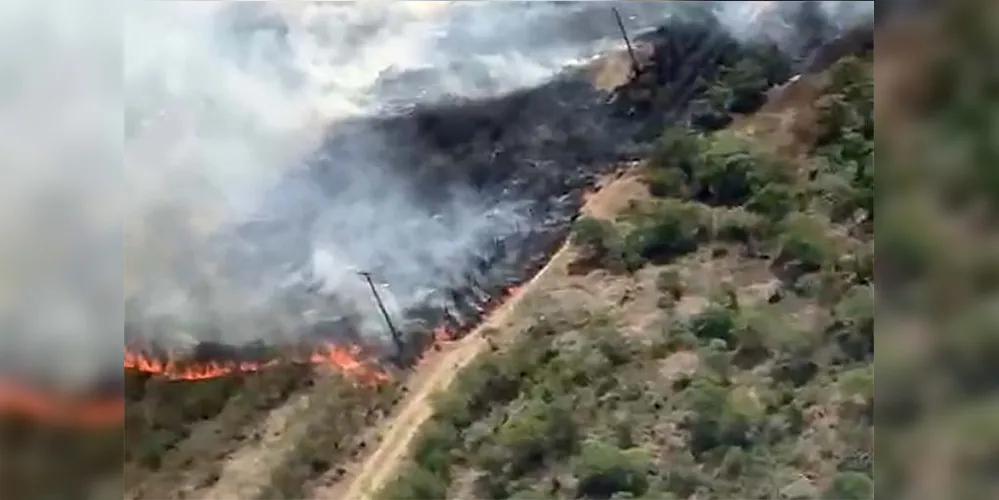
(635, 67)
(396, 336)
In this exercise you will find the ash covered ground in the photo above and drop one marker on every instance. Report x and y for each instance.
(447, 198)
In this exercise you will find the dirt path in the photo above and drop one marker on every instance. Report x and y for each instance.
(380, 466)
(436, 375)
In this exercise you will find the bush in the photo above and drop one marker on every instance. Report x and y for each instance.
(850, 486)
(595, 236)
(740, 226)
(718, 417)
(774, 200)
(856, 310)
(715, 322)
(672, 229)
(604, 470)
(734, 172)
(415, 482)
(724, 176)
(835, 196)
(667, 182)
(806, 240)
(539, 430)
(747, 82)
(752, 339)
(678, 148)
(602, 245)
(433, 450)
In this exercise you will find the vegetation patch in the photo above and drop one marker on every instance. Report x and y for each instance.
(765, 392)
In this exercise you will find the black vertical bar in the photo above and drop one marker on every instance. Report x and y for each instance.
(396, 338)
(627, 42)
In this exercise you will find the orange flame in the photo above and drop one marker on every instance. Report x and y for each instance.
(36, 405)
(345, 360)
(443, 333)
(42, 406)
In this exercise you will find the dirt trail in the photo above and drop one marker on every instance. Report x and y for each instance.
(437, 373)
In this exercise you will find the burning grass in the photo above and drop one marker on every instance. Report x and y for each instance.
(232, 365)
(348, 360)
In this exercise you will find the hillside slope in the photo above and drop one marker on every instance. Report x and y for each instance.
(679, 236)
(712, 337)
(442, 367)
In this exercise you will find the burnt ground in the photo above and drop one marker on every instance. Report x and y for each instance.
(540, 148)
(180, 435)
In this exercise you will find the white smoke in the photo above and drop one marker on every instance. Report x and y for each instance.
(223, 100)
(214, 106)
(60, 186)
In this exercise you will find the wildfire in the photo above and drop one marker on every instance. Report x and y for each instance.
(345, 360)
(43, 406)
(446, 333)
(25, 402)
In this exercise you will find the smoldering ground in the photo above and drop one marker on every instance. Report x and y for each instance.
(268, 158)
(256, 247)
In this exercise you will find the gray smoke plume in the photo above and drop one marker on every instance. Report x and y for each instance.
(255, 86)
(60, 182)
(223, 104)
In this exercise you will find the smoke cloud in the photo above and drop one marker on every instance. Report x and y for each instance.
(60, 182)
(211, 220)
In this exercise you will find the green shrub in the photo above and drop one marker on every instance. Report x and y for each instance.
(736, 172)
(835, 115)
(602, 245)
(540, 429)
(718, 418)
(774, 200)
(850, 486)
(807, 240)
(835, 196)
(858, 382)
(740, 226)
(725, 175)
(671, 229)
(667, 182)
(752, 339)
(433, 449)
(415, 482)
(714, 322)
(678, 148)
(593, 235)
(604, 470)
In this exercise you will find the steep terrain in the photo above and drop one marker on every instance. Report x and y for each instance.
(662, 244)
(714, 337)
(707, 332)
(722, 346)
(204, 439)
(443, 367)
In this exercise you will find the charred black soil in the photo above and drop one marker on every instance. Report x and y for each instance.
(541, 148)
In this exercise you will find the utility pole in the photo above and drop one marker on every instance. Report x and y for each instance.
(635, 67)
(396, 337)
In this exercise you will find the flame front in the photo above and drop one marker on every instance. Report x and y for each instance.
(25, 402)
(345, 360)
(43, 406)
